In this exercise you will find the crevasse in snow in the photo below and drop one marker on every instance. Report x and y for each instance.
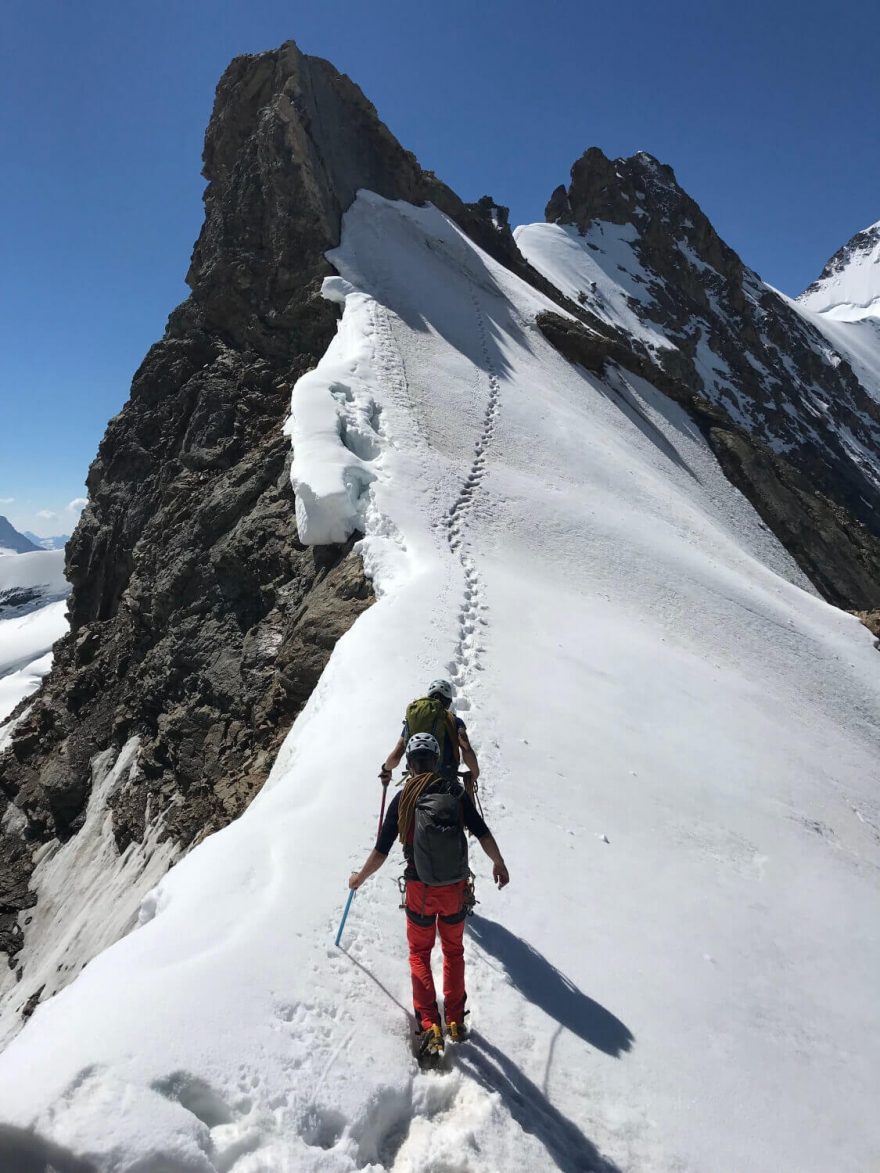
(678, 741)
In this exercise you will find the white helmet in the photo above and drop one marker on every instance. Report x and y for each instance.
(423, 743)
(443, 687)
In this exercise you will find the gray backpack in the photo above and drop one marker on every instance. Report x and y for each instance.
(439, 845)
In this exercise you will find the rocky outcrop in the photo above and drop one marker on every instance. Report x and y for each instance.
(871, 620)
(199, 624)
(807, 448)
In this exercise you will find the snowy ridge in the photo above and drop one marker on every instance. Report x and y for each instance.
(677, 739)
(774, 387)
(599, 270)
(849, 288)
(844, 305)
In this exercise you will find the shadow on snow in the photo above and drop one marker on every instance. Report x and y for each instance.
(571, 1151)
(541, 982)
(22, 1151)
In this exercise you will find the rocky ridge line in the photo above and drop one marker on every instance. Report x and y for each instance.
(767, 418)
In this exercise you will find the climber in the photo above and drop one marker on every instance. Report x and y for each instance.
(429, 816)
(432, 714)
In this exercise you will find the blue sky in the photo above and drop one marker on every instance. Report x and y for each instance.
(767, 112)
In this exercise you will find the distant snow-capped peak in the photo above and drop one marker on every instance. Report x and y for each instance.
(56, 542)
(848, 288)
(14, 542)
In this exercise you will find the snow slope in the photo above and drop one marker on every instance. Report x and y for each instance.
(679, 744)
(779, 395)
(600, 270)
(32, 618)
(858, 342)
(844, 305)
(849, 287)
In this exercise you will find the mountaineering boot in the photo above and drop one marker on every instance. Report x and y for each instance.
(430, 1046)
(459, 1032)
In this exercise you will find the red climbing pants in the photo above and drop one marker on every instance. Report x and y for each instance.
(428, 908)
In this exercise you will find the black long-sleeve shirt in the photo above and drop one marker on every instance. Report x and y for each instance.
(391, 826)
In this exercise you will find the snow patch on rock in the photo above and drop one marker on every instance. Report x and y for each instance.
(88, 894)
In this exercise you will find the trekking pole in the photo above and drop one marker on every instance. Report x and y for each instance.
(344, 915)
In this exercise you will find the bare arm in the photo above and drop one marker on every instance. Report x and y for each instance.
(500, 874)
(392, 761)
(467, 754)
(374, 861)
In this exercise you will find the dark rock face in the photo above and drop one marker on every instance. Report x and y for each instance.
(871, 620)
(199, 623)
(740, 346)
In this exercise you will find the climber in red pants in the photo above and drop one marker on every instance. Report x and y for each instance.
(427, 910)
(430, 816)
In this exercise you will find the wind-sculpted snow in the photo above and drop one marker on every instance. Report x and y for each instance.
(678, 742)
(333, 436)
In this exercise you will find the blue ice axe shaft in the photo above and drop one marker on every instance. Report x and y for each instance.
(344, 915)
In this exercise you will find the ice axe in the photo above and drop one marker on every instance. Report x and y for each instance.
(345, 915)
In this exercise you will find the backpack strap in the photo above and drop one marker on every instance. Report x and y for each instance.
(453, 739)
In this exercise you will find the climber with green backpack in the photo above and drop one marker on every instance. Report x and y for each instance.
(429, 817)
(433, 714)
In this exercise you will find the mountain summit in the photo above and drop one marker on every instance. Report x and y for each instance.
(199, 624)
(378, 444)
(848, 288)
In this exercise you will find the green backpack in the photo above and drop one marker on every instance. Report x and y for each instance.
(429, 715)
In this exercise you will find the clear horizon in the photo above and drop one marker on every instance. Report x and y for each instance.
(763, 112)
